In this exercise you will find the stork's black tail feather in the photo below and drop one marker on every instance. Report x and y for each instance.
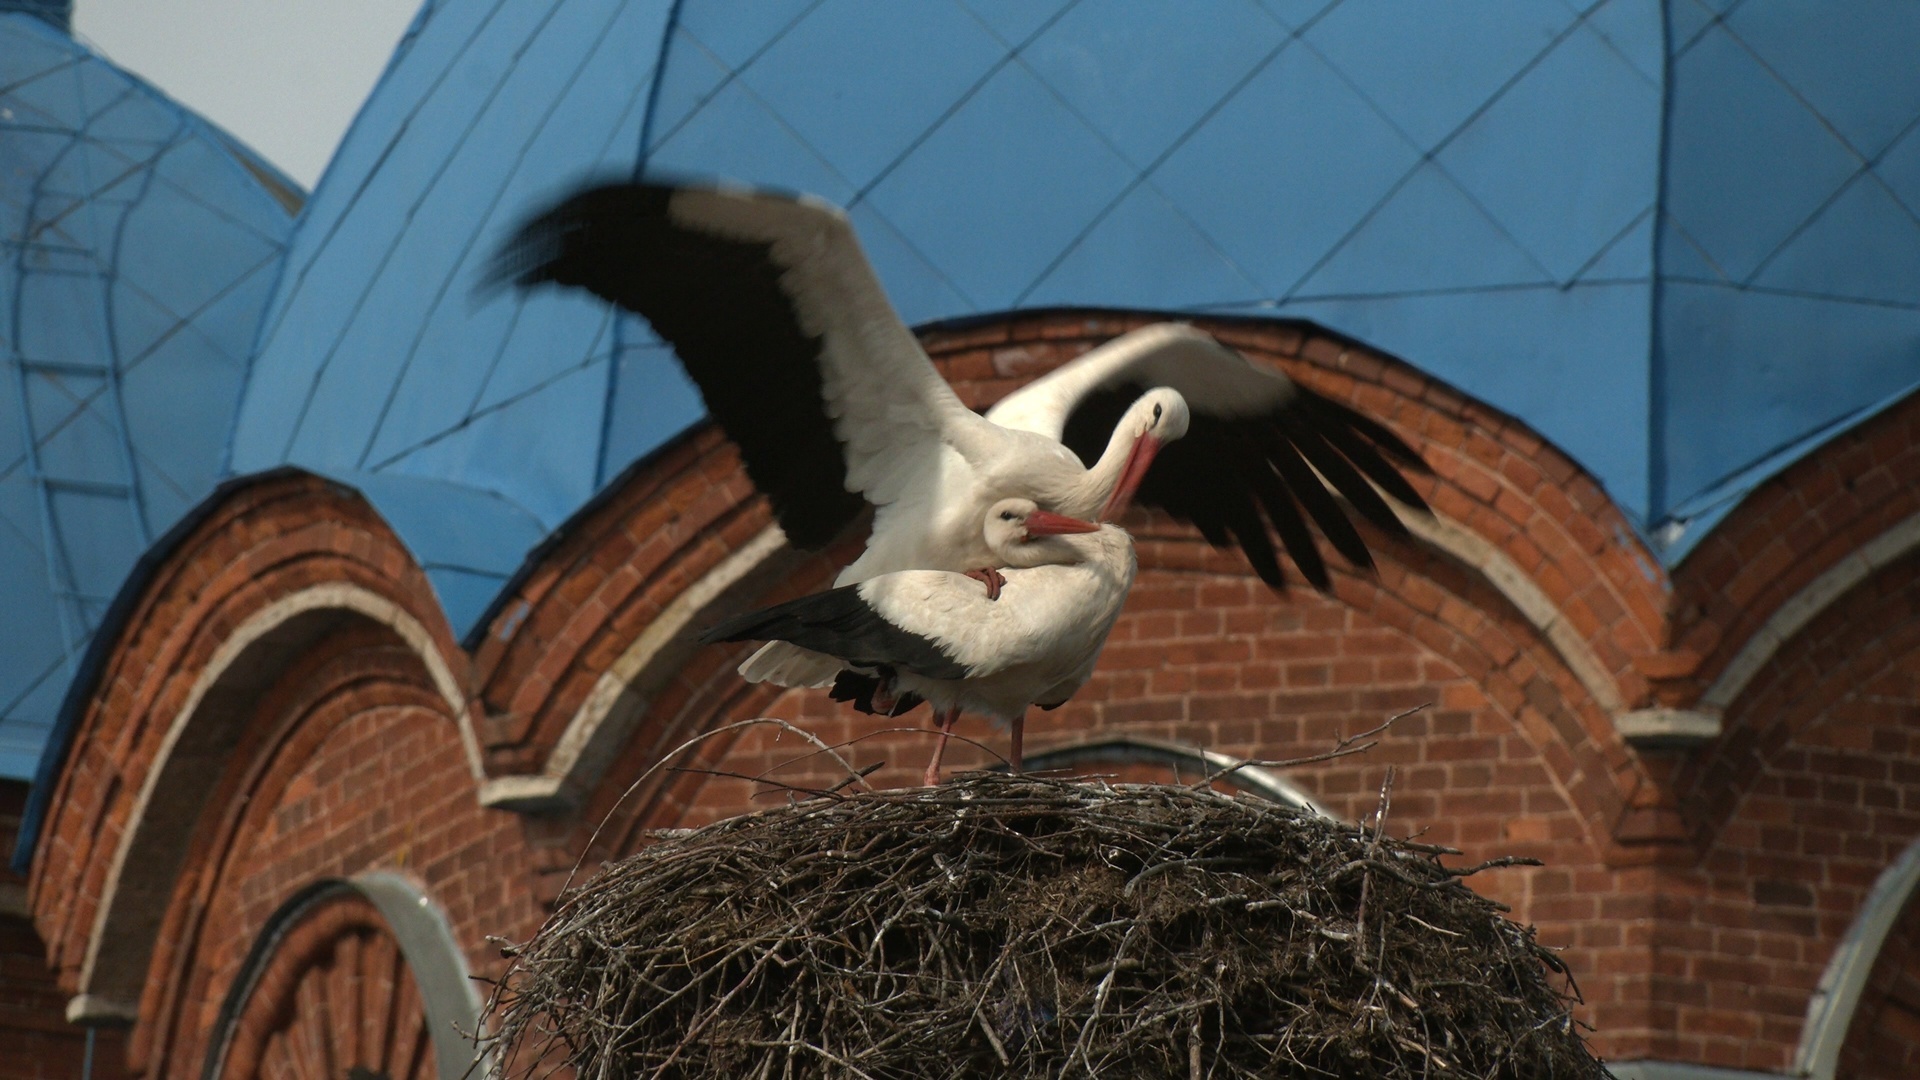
(860, 690)
(840, 623)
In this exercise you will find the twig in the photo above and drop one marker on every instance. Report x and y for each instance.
(1346, 747)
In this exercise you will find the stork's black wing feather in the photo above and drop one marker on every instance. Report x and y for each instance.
(1227, 470)
(719, 303)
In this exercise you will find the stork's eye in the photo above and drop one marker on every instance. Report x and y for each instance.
(1156, 414)
(1008, 515)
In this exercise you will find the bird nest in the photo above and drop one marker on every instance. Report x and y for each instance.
(1002, 926)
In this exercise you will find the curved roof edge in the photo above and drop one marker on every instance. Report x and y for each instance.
(1679, 534)
(283, 188)
(432, 518)
(100, 647)
(472, 637)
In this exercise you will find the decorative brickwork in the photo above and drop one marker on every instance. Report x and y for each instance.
(334, 997)
(286, 705)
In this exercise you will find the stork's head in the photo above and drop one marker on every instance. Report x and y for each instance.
(1019, 533)
(1159, 417)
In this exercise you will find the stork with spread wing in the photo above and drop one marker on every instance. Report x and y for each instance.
(770, 303)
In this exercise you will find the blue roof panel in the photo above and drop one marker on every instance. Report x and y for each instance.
(1803, 362)
(651, 399)
(1490, 344)
(1429, 68)
(1842, 70)
(1016, 21)
(1725, 183)
(983, 160)
(1428, 234)
(923, 56)
(1144, 74)
(1276, 201)
(1146, 254)
(1522, 158)
(736, 134)
(690, 74)
(1864, 245)
(137, 244)
(736, 33)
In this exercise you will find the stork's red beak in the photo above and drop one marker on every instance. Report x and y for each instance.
(1135, 470)
(1048, 523)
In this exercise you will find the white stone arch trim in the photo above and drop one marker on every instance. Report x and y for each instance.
(1525, 594)
(1800, 609)
(1837, 996)
(601, 724)
(427, 942)
(598, 728)
(99, 1003)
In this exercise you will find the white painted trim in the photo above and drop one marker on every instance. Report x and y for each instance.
(1524, 593)
(333, 596)
(447, 993)
(93, 1010)
(586, 746)
(1830, 1010)
(1667, 729)
(1799, 610)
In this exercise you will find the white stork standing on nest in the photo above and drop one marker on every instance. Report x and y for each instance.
(769, 302)
(936, 636)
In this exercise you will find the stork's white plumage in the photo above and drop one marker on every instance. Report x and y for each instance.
(770, 303)
(935, 635)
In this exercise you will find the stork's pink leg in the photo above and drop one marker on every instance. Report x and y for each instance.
(1019, 738)
(991, 578)
(946, 721)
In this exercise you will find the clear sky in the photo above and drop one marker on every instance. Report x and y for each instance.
(285, 76)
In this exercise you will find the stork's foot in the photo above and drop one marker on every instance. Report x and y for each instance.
(991, 578)
(1019, 726)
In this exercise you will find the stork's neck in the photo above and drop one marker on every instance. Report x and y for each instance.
(1091, 493)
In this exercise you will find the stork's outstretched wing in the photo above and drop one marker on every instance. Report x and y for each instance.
(1248, 463)
(771, 305)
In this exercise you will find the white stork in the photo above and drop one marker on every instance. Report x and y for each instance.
(769, 302)
(935, 635)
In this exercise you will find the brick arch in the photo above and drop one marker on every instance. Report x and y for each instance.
(1881, 1030)
(356, 674)
(329, 990)
(1866, 637)
(603, 620)
(1797, 810)
(1428, 601)
(1790, 549)
(269, 568)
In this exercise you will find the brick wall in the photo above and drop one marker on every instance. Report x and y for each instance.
(1697, 896)
(36, 1042)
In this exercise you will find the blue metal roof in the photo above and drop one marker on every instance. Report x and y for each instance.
(1679, 239)
(140, 247)
(474, 426)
